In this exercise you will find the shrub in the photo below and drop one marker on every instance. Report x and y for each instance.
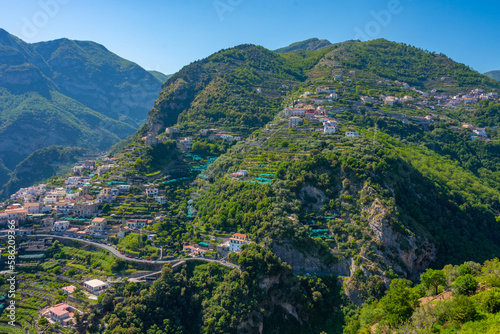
(490, 300)
(465, 285)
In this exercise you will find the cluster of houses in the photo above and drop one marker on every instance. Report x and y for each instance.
(297, 114)
(233, 244)
(447, 101)
(63, 313)
(185, 144)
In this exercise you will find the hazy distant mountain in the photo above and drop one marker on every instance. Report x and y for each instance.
(493, 74)
(310, 44)
(70, 93)
(160, 76)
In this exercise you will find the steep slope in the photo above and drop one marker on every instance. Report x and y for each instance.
(310, 44)
(99, 79)
(493, 74)
(41, 165)
(160, 76)
(425, 70)
(71, 93)
(238, 89)
(419, 197)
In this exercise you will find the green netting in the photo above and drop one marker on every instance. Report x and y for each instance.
(177, 180)
(203, 244)
(32, 256)
(111, 183)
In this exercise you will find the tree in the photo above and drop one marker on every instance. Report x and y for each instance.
(399, 303)
(42, 322)
(491, 271)
(106, 208)
(463, 309)
(490, 300)
(465, 285)
(433, 278)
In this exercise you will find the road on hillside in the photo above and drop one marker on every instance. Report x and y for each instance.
(124, 257)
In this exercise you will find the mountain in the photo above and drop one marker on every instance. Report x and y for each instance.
(160, 76)
(365, 189)
(238, 89)
(493, 74)
(336, 219)
(70, 93)
(43, 164)
(310, 44)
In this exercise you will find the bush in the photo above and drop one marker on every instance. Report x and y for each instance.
(465, 285)
(490, 300)
(463, 309)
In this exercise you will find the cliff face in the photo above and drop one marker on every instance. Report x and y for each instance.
(308, 262)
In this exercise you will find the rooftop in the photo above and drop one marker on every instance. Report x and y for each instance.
(95, 283)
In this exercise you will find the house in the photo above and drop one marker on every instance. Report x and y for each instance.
(161, 199)
(172, 131)
(151, 192)
(14, 214)
(352, 134)
(64, 207)
(32, 208)
(186, 144)
(95, 286)
(328, 129)
(60, 226)
(480, 132)
(107, 195)
(69, 289)
(236, 241)
(241, 173)
(368, 99)
(151, 139)
(194, 249)
(85, 209)
(390, 100)
(293, 122)
(97, 225)
(137, 223)
(73, 231)
(103, 169)
(294, 112)
(333, 96)
(123, 187)
(50, 199)
(61, 313)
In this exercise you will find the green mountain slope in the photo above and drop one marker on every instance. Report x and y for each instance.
(407, 194)
(41, 165)
(71, 93)
(160, 76)
(310, 44)
(238, 89)
(493, 74)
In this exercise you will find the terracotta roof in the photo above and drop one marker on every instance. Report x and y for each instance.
(240, 235)
(60, 309)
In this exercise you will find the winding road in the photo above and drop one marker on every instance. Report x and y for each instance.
(124, 257)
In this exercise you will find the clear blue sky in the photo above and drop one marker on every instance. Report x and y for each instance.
(165, 35)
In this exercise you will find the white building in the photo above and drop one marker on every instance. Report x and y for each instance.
(137, 223)
(236, 241)
(161, 199)
(95, 286)
(293, 122)
(60, 225)
(352, 134)
(151, 192)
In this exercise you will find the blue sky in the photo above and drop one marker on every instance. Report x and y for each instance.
(165, 35)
